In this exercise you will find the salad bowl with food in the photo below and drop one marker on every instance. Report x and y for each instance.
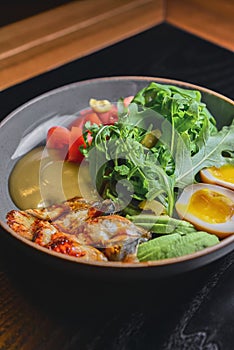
(126, 174)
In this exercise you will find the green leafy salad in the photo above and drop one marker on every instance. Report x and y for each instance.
(155, 150)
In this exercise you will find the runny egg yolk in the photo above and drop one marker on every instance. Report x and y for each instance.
(223, 176)
(210, 206)
(225, 172)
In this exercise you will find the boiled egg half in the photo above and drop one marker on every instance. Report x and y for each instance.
(208, 207)
(223, 176)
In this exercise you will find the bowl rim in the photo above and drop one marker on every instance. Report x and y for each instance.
(116, 264)
(65, 87)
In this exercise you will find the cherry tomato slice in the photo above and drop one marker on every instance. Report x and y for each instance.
(75, 142)
(89, 116)
(109, 117)
(57, 137)
(128, 100)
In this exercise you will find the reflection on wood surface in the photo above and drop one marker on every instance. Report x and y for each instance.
(50, 39)
(55, 37)
(211, 20)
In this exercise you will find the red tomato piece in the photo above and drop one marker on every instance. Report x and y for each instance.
(75, 142)
(109, 117)
(57, 137)
(90, 116)
(57, 142)
(78, 122)
(128, 100)
(86, 111)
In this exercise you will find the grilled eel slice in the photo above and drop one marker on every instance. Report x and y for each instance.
(89, 231)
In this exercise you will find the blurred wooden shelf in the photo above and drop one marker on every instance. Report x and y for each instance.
(48, 40)
(212, 20)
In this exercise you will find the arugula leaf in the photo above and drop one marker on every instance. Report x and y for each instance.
(122, 166)
(211, 153)
(181, 107)
(117, 154)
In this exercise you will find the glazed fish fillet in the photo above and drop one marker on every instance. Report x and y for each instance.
(43, 232)
(89, 231)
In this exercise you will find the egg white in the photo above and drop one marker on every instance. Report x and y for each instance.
(208, 177)
(220, 229)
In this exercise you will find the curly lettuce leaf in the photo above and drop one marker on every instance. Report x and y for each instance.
(181, 107)
(216, 150)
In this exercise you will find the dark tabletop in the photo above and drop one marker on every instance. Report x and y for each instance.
(193, 311)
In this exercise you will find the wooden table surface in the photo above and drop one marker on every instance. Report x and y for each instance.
(43, 308)
(52, 38)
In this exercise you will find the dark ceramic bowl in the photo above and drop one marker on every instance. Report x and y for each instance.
(68, 100)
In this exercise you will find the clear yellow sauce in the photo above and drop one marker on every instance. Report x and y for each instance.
(39, 179)
(225, 172)
(211, 206)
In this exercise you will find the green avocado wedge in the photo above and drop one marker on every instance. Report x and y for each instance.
(175, 245)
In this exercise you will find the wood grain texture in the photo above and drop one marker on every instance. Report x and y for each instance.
(48, 40)
(212, 20)
(23, 326)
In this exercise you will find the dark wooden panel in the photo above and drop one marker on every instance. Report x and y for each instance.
(211, 20)
(13, 11)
